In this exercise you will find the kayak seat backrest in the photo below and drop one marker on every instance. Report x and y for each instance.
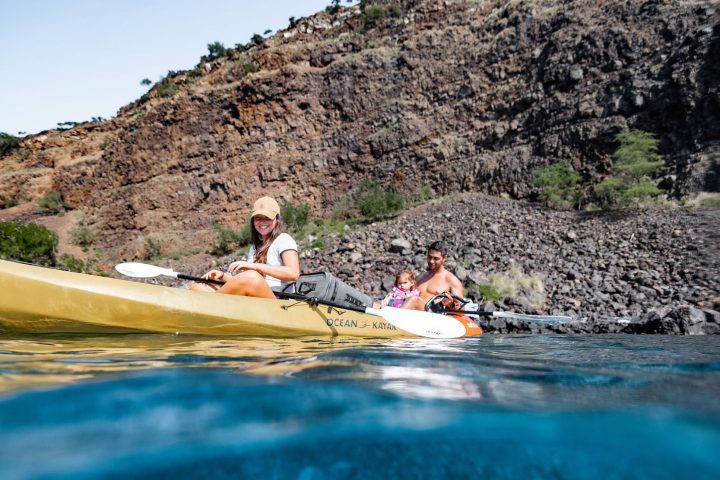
(328, 288)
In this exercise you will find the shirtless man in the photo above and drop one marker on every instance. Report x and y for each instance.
(436, 279)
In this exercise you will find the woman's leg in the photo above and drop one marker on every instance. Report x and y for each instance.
(203, 287)
(249, 283)
(206, 287)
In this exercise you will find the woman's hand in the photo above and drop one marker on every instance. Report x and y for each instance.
(240, 265)
(214, 275)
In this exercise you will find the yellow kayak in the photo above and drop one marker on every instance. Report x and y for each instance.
(42, 300)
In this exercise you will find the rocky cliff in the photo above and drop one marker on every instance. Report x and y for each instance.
(458, 95)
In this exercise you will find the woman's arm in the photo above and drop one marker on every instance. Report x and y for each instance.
(289, 271)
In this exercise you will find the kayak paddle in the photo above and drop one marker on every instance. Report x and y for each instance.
(423, 324)
(549, 319)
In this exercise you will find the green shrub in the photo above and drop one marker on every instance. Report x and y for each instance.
(229, 240)
(9, 203)
(489, 292)
(395, 11)
(609, 191)
(8, 142)
(27, 242)
(52, 201)
(371, 200)
(320, 231)
(374, 202)
(637, 156)
(145, 82)
(295, 216)
(633, 163)
(420, 195)
(641, 191)
(70, 263)
(343, 209)
(82, 236)
(486, 290)
(67, 125)
(559, 185)
(334, 6)
(216, 50)
(248, 68)
(152, 248)
(371, 16)
(167, 89)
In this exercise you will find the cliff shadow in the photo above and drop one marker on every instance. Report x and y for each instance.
(709, 80)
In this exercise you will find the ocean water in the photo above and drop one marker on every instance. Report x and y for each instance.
(153, 406)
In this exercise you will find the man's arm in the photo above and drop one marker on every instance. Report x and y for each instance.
(456, 287)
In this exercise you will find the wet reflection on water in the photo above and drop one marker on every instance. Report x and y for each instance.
(29, 362)
(525, 371)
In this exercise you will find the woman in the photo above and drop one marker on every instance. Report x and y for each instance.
(272, 261)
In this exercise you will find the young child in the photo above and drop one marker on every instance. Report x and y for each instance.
(404, 288)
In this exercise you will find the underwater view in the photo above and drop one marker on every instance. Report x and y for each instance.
(523, 406)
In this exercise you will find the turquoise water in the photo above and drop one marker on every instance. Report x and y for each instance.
(640, 407)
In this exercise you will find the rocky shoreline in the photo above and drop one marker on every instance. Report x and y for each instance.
(649, 271)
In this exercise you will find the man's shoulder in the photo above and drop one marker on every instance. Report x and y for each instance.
(450, 275)
(424, 277)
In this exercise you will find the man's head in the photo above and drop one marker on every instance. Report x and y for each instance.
(436, 255)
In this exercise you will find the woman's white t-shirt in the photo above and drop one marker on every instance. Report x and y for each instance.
(277, 247)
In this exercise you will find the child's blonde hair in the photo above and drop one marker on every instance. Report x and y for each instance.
(405, 273)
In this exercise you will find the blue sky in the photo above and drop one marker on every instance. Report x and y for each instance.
(71, 60)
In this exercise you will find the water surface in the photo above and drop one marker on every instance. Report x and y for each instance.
(153, 406)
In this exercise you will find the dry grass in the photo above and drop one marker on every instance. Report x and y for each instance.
(526, 290)
(705, 199)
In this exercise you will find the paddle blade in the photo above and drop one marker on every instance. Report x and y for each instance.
(423, 324)
(143, 270)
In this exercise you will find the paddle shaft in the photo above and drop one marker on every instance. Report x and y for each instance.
(287, 295)
(467, 312)
(519, 316)
(182, 276)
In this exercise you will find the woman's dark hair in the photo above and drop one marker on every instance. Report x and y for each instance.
(439, 246)
(261, 248)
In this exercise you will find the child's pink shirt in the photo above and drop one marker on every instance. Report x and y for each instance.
(398, 296)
